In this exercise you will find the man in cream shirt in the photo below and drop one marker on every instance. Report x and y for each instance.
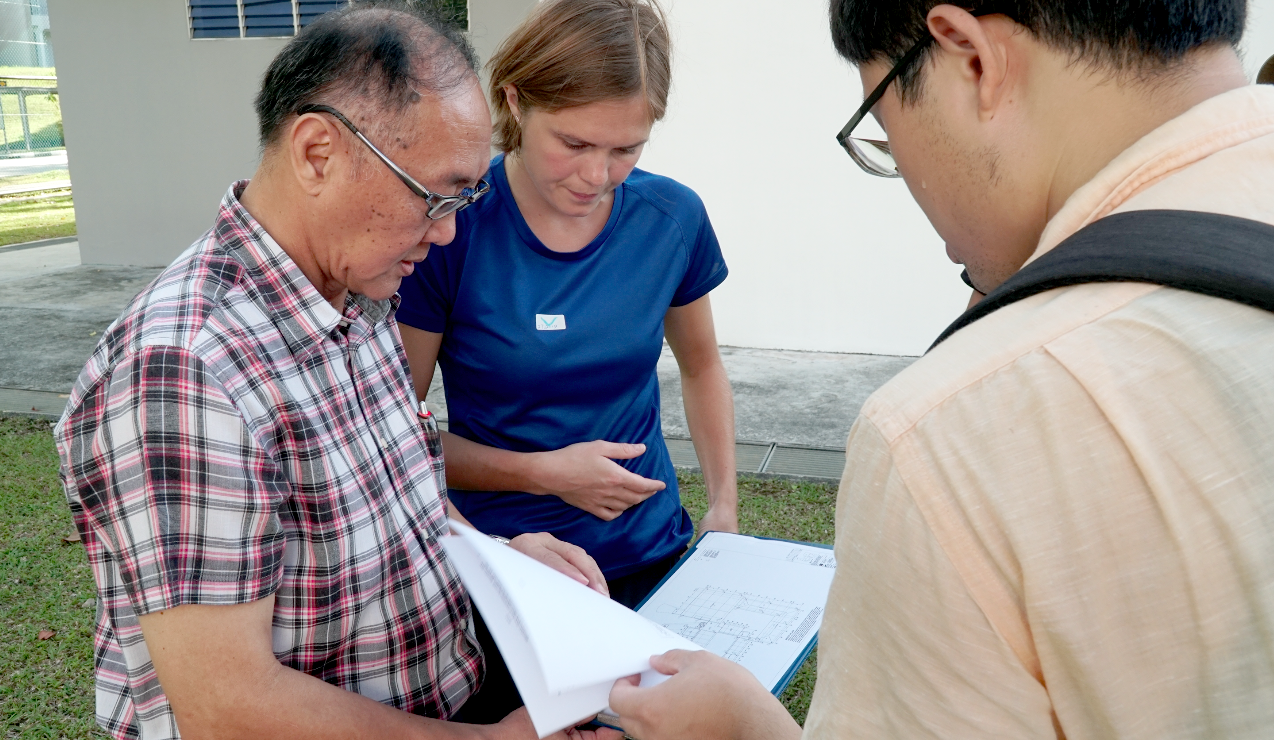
(1060, 522)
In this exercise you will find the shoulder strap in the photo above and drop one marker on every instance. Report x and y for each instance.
(1208, 253)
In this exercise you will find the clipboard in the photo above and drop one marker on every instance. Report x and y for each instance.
(804, 655)
(752, 627)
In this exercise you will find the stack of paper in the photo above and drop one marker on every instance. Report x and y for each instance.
(565, 644)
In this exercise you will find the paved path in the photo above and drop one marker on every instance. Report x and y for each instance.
(32, 165)
(53, 310)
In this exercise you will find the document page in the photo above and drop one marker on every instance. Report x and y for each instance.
(565, 644)
(756, 602)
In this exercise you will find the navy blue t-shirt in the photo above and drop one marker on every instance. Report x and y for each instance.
(543, 349)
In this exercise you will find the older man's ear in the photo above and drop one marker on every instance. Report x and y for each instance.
(314, 146)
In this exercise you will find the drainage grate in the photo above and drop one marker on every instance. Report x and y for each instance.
(806, 462)
(750, 457)
(32, 403)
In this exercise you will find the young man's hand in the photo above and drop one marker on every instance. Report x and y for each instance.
(707, 697)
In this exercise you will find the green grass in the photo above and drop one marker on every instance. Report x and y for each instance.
(36, 219)
(46, 686)
(35, 179)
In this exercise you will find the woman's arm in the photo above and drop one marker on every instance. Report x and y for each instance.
(709, 403)
(583, 475)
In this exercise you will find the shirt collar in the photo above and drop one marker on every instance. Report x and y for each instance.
(303, 315)
(1218, 123)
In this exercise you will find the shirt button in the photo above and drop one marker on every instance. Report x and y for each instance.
(464, 624)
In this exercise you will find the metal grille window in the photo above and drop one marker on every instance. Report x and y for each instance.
(221, 19)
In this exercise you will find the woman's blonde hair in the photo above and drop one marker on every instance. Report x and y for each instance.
(575, 52)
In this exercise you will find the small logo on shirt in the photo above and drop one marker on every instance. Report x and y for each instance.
(547, 322)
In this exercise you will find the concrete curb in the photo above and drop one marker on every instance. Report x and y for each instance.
(40, 404)
(757, 459)
(39, 243)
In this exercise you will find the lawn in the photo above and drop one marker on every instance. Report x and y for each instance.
(36, 219)
(46, 687)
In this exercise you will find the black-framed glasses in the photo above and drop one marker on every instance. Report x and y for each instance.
(874, 155)
(440, 206)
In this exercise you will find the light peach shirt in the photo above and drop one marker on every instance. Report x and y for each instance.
(1061, 521)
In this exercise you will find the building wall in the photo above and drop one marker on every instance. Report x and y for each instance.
(492, 20)
(157, 125)
(822, 256)
(22, 43)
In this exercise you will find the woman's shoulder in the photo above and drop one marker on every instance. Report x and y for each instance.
(665, 194)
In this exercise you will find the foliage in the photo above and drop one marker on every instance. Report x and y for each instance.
(46, 685)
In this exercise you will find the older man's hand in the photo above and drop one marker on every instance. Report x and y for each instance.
(707, 697)
(562, 557)
(517, 726)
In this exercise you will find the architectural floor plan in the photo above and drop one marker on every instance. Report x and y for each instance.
(754, 601)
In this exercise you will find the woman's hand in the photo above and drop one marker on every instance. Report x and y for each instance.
(720, 518)
(562, 557)
(586, 476)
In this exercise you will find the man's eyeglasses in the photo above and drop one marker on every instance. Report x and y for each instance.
(440, 206)
(874, 155)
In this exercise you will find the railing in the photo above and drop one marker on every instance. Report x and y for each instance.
(38, 114)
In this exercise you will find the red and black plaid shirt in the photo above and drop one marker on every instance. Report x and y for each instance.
(233, 436)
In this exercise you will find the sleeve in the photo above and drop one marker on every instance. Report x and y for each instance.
(429, 293)
(706, 268)
(904, 650)
(177, 490)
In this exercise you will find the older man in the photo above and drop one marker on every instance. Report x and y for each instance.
(1060, 522)
(260, 502)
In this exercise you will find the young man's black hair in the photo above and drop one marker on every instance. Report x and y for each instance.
(1133, 36)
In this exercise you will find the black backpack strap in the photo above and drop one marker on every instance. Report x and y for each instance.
(1208, 253)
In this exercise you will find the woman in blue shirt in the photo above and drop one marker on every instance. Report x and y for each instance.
(548, 311)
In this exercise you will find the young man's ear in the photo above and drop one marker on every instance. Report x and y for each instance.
(978, 48)
(313, 142)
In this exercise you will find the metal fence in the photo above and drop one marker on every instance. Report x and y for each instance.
(30, 114)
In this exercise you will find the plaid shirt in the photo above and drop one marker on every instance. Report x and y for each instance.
(233, 437)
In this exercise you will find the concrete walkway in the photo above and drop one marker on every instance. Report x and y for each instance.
(793, 409)
(33, 165)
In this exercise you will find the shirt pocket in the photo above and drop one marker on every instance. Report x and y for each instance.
(433, 446)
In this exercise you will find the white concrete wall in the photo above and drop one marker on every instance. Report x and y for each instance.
(822, 256)
(1258, 41)
(157, 125)
(490, 21)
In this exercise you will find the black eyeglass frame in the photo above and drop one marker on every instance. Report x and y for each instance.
(440, 206)
(843, 138)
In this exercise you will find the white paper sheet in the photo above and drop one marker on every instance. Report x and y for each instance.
(565, 644)
(754, 601)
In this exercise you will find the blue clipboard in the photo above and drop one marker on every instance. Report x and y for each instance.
(805, 654)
